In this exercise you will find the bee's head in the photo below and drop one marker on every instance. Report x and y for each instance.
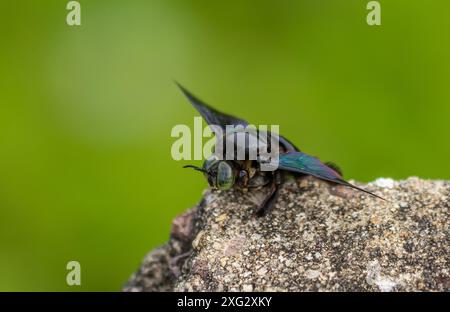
(220, 174)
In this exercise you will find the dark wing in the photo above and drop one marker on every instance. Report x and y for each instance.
(290, 147)
(211, 116)
(214, 117)
(303, 163)
(334, 167)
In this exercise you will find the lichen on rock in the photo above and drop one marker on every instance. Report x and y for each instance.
(312, 240)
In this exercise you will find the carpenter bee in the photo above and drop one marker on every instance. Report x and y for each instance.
(246, 174)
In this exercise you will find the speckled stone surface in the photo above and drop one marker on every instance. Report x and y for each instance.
(317, 238)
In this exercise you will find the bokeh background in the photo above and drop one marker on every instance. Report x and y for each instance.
(86, 112)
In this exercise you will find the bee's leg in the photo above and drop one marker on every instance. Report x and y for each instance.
(272, 197)
(242, 179)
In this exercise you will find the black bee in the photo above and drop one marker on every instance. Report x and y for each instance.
(224, 174)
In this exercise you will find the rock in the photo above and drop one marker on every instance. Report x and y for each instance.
(311, 241)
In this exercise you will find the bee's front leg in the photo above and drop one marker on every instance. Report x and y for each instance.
(245, 174)
(243, 178)
(271, 198)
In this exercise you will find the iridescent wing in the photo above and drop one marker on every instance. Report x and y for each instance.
(303, 163)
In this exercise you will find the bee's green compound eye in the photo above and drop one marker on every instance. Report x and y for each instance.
(210, 162)
(225, 176)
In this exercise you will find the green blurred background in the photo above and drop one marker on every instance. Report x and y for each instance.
(86, 112)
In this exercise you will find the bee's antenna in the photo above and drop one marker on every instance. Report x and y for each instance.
(195, 168)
